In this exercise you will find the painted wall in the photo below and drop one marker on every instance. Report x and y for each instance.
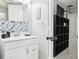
(73, 36)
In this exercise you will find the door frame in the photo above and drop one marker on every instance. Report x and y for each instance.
(50, 28)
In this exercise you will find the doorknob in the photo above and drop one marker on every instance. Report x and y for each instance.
(55, 38)
(50, 38)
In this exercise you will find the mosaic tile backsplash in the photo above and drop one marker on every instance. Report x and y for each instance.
(14, 26)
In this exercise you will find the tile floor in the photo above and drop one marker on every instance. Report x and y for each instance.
(69, 53)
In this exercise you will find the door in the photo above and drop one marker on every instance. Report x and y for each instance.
(61, 34)
(40, 25)
(58, 31)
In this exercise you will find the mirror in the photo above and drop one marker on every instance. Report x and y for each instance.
(15, 10)
(3, 10)
(19, 10)
(15, 15)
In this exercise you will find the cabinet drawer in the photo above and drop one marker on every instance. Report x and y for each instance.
(33, 49)
(21, 43)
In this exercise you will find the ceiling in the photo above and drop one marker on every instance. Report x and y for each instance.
(70, 2)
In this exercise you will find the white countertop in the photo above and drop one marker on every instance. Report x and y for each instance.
(15, 38)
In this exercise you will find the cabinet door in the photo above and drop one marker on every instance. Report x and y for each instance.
(33, 51)
(18, 53)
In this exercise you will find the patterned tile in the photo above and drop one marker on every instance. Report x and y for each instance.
(13, 26)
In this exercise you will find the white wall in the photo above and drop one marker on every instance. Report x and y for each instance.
(28, 12)
(73, 36)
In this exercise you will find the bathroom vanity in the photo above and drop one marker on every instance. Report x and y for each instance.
(20, 47)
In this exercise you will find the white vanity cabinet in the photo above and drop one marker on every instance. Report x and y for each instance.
(21, 49)
(23, 53)
(33, 51)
